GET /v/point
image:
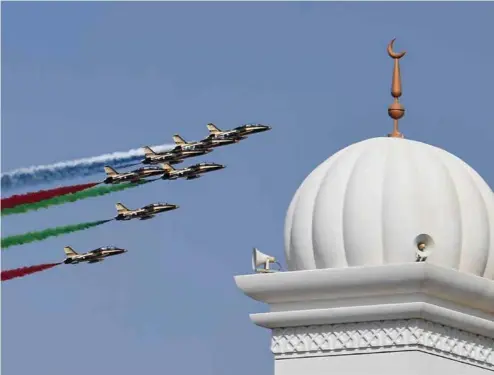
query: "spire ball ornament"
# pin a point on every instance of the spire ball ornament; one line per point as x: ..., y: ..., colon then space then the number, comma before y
x: 396, y: 110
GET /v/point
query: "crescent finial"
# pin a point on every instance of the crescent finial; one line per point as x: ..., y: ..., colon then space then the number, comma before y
x: 393, y: 54
x: 396, y: 110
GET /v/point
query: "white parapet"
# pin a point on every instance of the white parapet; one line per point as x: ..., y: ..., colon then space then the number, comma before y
x: 414, y: 318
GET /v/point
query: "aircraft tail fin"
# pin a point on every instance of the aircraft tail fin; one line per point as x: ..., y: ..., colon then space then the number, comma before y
x: 213, y: 129
x: 167, y: 167
x: 148, y: 151
x: 121, y: 208
x: 69, y: 251
x: 110, y: 171
x: 179, y: 140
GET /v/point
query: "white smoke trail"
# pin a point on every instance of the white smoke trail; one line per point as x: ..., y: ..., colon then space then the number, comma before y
x: 40, y: 174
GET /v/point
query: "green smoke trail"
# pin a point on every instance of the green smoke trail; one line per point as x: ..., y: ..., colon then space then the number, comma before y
x: 41, y: 235
x: 68, y: 198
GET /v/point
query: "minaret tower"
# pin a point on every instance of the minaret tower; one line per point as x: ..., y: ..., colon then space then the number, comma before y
x: 389, y: 245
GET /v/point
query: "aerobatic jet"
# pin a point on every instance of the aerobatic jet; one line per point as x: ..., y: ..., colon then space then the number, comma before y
x: 92, y: 256
x: 170, y: 157
x: 182, y: 145
x: 133, y: 176
x: 237, y: 134
x: 144, y: 213
x: 190, y: 173
x: 113, y: 177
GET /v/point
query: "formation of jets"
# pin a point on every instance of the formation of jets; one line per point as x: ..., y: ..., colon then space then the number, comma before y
x: 163, y: 161
x: 162, y: 166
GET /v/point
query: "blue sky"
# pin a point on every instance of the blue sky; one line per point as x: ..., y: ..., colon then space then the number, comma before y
x: 84, y: 79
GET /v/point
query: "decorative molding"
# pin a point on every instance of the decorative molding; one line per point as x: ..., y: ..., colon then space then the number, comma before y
x: 393, y: 309
x: 383, y: 336
x: 335, y: 284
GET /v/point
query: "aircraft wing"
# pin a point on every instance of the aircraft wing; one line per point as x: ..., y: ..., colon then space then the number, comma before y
x: 193, y: 176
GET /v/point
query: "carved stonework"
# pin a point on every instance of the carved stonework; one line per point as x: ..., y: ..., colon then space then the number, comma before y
x: 380, y: 336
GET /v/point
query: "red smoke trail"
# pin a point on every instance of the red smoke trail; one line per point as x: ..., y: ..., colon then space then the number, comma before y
x: 24, y: 271
x: 16, y: 200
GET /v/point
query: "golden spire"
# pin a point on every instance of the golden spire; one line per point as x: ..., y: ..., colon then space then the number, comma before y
x: 396, y: 110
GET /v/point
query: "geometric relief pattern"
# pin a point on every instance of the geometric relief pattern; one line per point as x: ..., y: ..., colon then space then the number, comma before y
x: 379, y: 336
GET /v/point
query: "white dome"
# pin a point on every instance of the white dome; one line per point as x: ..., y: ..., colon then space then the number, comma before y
x: 372, y: 202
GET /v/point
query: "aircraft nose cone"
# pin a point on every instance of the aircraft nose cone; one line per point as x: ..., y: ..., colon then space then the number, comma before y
x: 177, y: 206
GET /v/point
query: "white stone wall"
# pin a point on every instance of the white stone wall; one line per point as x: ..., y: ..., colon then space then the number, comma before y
x: 396, y: 363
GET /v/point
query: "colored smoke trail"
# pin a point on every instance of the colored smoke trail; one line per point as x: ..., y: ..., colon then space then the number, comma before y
x: 41, y: 235
x: 37, y: 196
x: 37, y: 175
x: 24, y: 271
x: 68, y: 198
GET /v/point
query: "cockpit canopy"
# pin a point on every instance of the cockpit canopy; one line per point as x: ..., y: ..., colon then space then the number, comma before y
x: 156, y: 205
x: 248, y: 126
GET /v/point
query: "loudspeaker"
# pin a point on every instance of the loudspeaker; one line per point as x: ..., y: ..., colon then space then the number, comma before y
x: 259, y: 259
x: 425, y: 245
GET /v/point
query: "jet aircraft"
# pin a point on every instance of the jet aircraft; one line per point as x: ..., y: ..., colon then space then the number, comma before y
x: 237, y: 134
x: 113, y: 177
x: 133, y: 176
x: 144, y: 213
x: 182, y: 145
x: 190, y: 173
x: 92, y: 256
x: 170, y: 157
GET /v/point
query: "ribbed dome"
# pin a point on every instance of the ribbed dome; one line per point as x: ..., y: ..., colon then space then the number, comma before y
x: 374, y: 201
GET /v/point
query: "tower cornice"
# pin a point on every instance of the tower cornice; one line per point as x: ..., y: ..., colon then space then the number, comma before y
x: 363, y: 294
